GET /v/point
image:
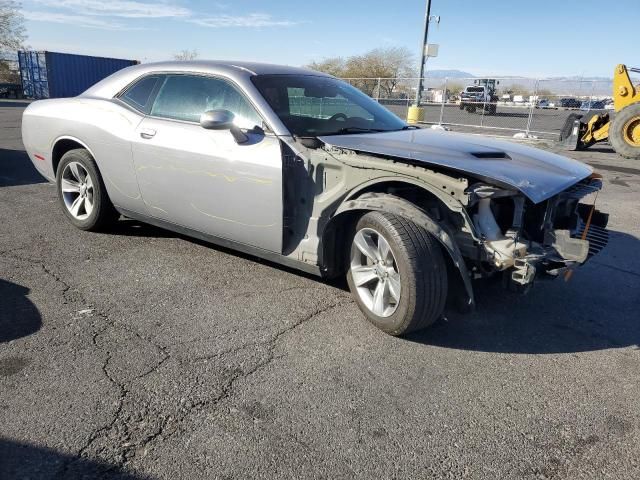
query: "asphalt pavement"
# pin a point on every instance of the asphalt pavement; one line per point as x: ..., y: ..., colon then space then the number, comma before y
x: 139, y: 353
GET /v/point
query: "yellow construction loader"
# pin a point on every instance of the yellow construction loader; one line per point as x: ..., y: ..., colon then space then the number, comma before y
x: 623, y: 132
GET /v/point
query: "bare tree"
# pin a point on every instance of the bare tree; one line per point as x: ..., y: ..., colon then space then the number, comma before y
x: 388, y: 64
x: 517, y: 89
x: 12, y: 36
x: 7, y: 74
x: 186, y: 55
x: 545, y: 92
x: 335, y: 66
x: 12, y: 32
x: 452, y: 88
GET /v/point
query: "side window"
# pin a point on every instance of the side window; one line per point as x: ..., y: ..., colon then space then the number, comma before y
x: 186, y: 97
x: 139, y: 94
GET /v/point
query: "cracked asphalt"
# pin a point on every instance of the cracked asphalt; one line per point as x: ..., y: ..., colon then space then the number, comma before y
x: 143, y: 354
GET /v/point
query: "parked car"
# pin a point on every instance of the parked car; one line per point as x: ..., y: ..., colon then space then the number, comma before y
x: 544, y: 103
x: 570, y: 103
x: 303, y: 169
x: 592, y: 105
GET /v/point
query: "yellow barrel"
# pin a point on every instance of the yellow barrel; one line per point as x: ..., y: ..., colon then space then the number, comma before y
x: 415, y: 114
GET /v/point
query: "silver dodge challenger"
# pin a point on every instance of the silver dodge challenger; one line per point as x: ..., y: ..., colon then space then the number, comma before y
x: 302, y: 169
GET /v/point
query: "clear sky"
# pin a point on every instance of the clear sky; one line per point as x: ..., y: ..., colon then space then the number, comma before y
x: 500, y: 37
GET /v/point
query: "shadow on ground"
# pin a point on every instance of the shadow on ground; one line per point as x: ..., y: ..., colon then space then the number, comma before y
x: 127, y: 227
x: 17, y: 169
x: 20, y: 460
x: 555, y: 316
x: 15, y: 103
x: 18, y: 316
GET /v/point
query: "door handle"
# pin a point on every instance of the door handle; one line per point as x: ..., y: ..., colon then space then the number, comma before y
x: 147, y: 133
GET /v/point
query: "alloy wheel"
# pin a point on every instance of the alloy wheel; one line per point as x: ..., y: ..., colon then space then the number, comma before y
x: 77, y: 190
x: 374, y: 271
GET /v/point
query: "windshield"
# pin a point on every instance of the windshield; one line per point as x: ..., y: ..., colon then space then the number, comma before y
x: 312, y: 105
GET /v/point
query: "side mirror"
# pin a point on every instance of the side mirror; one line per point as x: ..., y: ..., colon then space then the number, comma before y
x: 217, y: 120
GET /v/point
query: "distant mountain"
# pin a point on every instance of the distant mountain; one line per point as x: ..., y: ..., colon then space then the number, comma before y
x: 577, y: 78
x: 448, y: 74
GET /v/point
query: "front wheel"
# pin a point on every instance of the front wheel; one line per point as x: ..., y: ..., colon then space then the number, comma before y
x: 397, y: 273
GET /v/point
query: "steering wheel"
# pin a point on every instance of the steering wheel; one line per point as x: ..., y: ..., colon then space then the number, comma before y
x: 338, y: 115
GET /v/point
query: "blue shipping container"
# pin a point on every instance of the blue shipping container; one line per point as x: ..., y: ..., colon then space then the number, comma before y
x: 56, y: 75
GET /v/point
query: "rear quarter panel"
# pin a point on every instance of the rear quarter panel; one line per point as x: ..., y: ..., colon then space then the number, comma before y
x: 104, y: 127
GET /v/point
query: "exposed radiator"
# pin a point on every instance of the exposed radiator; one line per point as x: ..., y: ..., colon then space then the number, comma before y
x: 598, y: 238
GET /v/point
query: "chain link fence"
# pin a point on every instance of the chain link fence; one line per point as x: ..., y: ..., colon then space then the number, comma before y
x: 535, y: 107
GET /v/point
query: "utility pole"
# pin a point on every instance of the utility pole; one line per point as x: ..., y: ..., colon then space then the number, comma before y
x: 423, y: 52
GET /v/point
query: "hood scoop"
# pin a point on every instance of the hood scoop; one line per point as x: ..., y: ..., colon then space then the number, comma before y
x: 491, y: 155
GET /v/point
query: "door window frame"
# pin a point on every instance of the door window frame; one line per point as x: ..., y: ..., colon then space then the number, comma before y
x: 152, y: 97
x: 163, y: 76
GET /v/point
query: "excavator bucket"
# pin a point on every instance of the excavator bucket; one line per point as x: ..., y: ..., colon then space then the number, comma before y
x: 571, y: 133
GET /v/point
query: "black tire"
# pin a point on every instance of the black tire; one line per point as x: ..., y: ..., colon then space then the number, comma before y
x: 103, y: 213
x: 620, y: 122
x: 422, y: 269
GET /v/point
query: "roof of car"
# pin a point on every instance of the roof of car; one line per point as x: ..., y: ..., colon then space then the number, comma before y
x: 252, y: 68
x: 239, y: 71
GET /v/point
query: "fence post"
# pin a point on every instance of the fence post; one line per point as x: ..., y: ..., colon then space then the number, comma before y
x: 484, y: 107
x: 444, y: 96
x: 378, y: 91
x: 532, y: 105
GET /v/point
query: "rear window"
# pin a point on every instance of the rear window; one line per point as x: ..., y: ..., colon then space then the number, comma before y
x: 139, y: 94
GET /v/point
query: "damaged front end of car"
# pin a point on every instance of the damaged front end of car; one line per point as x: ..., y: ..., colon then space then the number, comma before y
x: 525, y: 241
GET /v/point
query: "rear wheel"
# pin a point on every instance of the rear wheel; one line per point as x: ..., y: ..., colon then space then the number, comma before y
x: 397, y: 273
x: 82, y: 193
x: 624, y: 133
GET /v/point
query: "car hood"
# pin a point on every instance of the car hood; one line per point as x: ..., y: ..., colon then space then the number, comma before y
x: 536, y: 173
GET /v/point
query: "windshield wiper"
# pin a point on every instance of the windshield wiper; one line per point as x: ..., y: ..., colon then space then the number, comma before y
x: 410, y: 127
x: 359, y: 130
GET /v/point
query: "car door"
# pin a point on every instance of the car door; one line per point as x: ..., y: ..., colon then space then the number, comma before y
x: 203, y: 179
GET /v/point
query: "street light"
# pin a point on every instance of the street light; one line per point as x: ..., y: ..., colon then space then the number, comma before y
x: 425, y: 51
x: 416, y: 113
